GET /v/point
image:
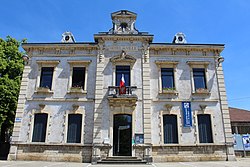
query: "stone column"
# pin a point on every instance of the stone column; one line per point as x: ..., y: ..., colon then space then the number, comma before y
x: 225, y: 114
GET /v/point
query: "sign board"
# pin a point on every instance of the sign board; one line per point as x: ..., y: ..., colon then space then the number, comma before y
x: 139, y: 138
x: 187, y: 114
x: 18, y: 119
x: 238, y: 144
x: 246, y: 141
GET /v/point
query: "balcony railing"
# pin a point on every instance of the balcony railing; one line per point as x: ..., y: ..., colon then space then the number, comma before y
x: 115, y: 91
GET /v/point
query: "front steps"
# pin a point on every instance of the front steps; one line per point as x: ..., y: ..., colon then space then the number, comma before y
x: 122, y: 160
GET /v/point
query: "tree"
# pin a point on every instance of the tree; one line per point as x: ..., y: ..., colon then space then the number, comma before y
x: 11, y: 68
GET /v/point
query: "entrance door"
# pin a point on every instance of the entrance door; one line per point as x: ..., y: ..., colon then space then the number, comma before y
x: 122, y: 131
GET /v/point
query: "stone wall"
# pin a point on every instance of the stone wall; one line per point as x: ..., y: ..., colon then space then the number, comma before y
x: 189, y: 153
x: 42, y: 152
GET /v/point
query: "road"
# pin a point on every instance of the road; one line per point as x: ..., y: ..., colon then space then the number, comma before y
x: 241, y: 162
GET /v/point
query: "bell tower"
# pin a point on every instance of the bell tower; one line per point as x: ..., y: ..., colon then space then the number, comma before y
x: 123, y: 22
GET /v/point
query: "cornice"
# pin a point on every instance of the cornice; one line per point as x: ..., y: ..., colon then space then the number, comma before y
x: 217, y: 48
x: 81, y: 46
x: 123, y: 37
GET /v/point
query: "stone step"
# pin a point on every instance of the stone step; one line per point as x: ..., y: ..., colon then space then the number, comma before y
x: 122, y: 160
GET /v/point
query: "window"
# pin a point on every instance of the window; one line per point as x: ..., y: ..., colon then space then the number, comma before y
x: 74, y: 128
x: 170, y: 129
x: 46, y: 77
x: 78, y: 77
x: 205, y: 129
x: 167, y: 77
x: 167, y: 70
x: 199, y: 78
x: 40, y: 126
x: 125, y: 70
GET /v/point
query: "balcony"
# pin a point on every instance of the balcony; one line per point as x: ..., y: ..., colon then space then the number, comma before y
x: 116, y: 92
x: 117, y: 97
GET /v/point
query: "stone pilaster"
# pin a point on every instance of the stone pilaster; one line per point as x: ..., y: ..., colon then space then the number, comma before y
x: 225, y: 114
x: 19, y: 113
x: 97, y: 132
x: 146, y: 95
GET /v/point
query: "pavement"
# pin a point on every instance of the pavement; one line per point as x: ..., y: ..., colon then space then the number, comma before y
x: 241, y: 162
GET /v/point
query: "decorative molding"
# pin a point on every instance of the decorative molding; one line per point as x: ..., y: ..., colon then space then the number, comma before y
x: 124, y: 58
x: 197, y: 63
x: 166, y: 62
x: 82, y: 62
x: 48, y: 62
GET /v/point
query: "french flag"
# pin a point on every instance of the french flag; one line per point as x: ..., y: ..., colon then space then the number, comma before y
x: 122, y: 85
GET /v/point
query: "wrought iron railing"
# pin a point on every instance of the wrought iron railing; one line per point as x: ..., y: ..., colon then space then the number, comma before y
x: 116, y: 91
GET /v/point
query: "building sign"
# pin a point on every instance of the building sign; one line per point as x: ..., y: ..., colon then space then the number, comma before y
x: 18, y: 119
x: 187, y: 114
x: 139, y: 138
x: 119, y: 48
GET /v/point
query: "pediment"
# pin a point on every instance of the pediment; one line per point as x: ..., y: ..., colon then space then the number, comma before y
x: 124, y: 13
x: 124, y: 58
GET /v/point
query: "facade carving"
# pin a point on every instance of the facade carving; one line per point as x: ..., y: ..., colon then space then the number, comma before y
x: 122, y: 95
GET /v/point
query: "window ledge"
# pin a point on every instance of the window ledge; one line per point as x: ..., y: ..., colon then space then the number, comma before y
x: 171, y: 92
x: 43, y: 90
x: 77, y: 90
x: 201, y: 92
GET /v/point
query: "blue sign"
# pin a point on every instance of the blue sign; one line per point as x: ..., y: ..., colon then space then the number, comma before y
x: 139, y: 138
x: 18, y: 119
x: 246, y: 141
x: 187, y: 114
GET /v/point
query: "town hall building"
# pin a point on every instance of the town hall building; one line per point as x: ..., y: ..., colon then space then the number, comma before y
x: 122, y: 96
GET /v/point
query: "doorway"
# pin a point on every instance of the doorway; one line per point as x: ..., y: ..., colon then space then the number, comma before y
x: 122, y: 135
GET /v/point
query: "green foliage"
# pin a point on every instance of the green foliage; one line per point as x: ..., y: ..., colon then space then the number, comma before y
x: 11, y: 67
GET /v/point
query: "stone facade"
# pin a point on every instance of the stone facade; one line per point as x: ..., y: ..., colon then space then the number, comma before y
x: 146, y: 101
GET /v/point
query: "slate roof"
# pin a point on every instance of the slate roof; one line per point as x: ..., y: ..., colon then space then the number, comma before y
x: 239, y: 115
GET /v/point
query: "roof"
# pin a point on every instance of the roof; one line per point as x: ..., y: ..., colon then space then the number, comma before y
x: 239, y: 115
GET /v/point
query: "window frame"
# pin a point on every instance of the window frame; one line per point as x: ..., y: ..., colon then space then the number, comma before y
x: 80, y: 115
x: 211, y: 126
x: 203, y: 71
x: 168, y: 70
x: 199, y: 64
x: 76, y: 109
x: 41, y: 110
x: 78, y: 63
x: 169, y: 111
x: 46, y: 124
x: 167, y: 64
x: 177, y: 135
x: 41, y: 64
x: 124, y: 78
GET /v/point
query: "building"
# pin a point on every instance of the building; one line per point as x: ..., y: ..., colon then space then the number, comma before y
x: 122, y: 95
x: 240, y: 120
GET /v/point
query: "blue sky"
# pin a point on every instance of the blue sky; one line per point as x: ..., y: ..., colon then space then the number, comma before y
x: 206, y: 21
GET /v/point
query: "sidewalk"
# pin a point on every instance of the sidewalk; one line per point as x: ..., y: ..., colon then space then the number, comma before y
x: 241, y: 162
